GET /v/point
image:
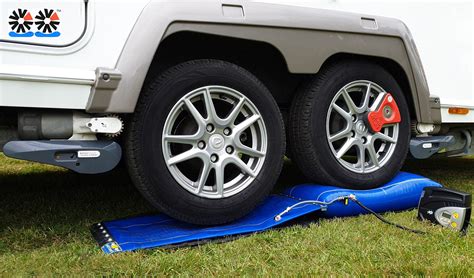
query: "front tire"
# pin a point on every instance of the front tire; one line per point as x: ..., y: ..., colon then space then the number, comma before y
x: 206, y: 142
x: 329, y: 135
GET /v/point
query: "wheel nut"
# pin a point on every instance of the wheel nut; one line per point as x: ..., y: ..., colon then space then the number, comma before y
x: 229, y: 149
x: 201, y: 145
x: 354, y: 118
x: 364, y: 140
x: 209, y: 127
x: 214, y: 158
x: 227, y: 131
x: 353, y: 134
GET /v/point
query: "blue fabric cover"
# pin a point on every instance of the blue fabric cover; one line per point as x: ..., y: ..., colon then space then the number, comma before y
x: 402, y: 193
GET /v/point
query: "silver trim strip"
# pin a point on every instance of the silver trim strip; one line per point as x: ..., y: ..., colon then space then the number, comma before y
x: 456, y: 105
x: 46, y: 79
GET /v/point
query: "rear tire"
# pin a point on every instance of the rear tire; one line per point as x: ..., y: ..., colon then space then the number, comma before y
x: 179, y: 103
x: 312, y: 120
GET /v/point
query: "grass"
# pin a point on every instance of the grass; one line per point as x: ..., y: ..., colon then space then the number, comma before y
x: 45, y: 214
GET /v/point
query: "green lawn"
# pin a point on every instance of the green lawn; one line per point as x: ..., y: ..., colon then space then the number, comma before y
x: 45, y: 214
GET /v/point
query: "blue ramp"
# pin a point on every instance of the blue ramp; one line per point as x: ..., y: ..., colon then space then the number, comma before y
x: 160, y: 230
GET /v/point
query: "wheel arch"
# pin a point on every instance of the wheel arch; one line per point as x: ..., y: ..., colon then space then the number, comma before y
x: 299, y: 51
x: 390, y: 65
x: 260, y: 58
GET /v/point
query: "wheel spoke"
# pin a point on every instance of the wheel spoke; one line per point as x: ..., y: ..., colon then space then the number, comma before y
x: 184, y: 156
x: 195, y: 113
x: 389, y: 125
x: 181, y: 139
x: 342, y: 134
x: 350, y: 103
x: 249, y: 151
x: 219, y: 169
x: 365, y: 104
x: 373, y: 154
x: 203, y: 176
x: 347, y: 116
x: 384, y: 137
x: 345, y: 148
x: 235, y: 112
x: 243, y: 167
x: 377, y: 101
x: 211, y: 110
x: 246, y: 123
x: 362, y: 158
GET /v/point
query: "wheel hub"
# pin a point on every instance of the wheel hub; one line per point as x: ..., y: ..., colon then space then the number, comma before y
x: 361, y: 128
x: 216, y: 141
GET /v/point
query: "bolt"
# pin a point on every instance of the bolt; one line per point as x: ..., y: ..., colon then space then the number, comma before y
x: 229, y: 149
x: 214, y: 158
x: 364, y: 140
x: 209, y: 128
x: 387, y: 111
x: 105, y: 76
x: 243, y: 137
x: 354, y: 118
x: 201, y: 145
x: 227, y: 131
x: 353, y: 134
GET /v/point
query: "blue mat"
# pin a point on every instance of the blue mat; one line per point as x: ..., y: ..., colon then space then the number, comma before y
x: 141, y: 232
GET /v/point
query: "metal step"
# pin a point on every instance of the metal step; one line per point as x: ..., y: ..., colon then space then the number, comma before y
x: 425, y: 147
x: 86, y: 157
